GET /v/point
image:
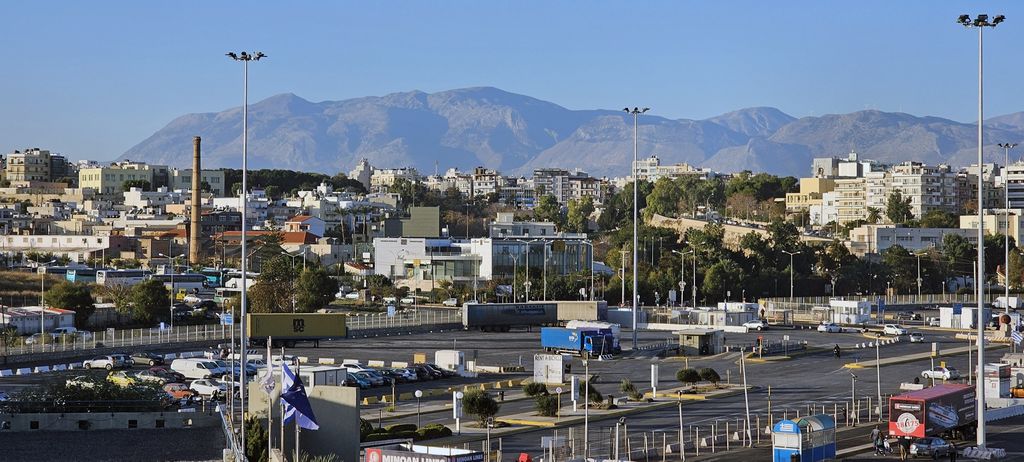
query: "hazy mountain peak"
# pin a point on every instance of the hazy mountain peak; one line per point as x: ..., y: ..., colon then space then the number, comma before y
x: 487, y: 126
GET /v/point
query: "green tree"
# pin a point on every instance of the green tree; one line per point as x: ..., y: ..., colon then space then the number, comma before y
x: 150, y: 300
x: 480, y: 404
x: 939, y: 219
x: 959, y: 253
x: 255, y: 440
x: 710, y: 375
x: 141, y: 184
x: 72, y: 296
x: 688, y: 376
x: 874, y: 215
x: 897, y: 208
x: 579, y: 214
x: 547, y: 405
x: 314, y: 289
x: 663, y: 199
x: 901, y: 266
x: 548, y: 209
x: 274, y: 287
x: 723, y: 276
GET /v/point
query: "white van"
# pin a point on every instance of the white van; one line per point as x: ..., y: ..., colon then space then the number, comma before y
x: 196, y: 368
x: 70, y: 331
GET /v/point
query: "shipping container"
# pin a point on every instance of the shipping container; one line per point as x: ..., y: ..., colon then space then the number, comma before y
x: 500, y: 317
x: 935, y: 411
x: 569, y: 310
x: 286, y: 329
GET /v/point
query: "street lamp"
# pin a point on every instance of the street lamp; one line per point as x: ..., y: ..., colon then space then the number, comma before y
x: 244, y: 57
x: 636, y: 243
x: 419, y: 394
x: 528, y: 283
x: 878, y: 374
x: 591, y: 244
x: 173, y: 261
x: 42, y: 300
x: 791, y: 268
x: 682, y: 273
x: 1006, y: 211
x: 980, y: 22
x: 586, y: 405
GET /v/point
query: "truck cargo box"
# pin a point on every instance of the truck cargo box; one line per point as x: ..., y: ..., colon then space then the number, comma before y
x: 932, y: 411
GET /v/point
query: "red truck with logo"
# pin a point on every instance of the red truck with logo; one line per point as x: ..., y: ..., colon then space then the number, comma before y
x: 947, y: 409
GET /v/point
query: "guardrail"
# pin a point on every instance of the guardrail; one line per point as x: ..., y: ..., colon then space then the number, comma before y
x: 117, y: 338
x: 230, y: 438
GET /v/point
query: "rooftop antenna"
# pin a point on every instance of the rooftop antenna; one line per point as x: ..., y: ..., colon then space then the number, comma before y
x: 435, y: 168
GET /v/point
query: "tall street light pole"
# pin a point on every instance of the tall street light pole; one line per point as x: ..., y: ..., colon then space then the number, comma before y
x: 682, y: 274
x: 981, y: 22
x: 42, y: 301
x: 173, y: 261
x: 790, y: 273
x: 244, y: 57
x: 636, y: 243
x: 1006, y: 234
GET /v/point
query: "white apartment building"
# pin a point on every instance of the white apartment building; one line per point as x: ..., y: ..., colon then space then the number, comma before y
x: 28, y: 165
x: 1014, y: 175
x: 362, y: 173
x: 928, y: 188
x: 382, y: 179
x: 996, y: 223
x: 825, y: 211
x: 875, y: 239
x: 650, y: 169
x: 850, y: 200
x: 181, y: 180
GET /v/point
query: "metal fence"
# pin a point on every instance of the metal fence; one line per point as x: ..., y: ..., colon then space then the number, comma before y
x: 117, y: 338
x: 902, y: 299
x: 416, y: 317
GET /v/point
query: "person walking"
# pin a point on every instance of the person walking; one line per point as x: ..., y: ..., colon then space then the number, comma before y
x: 876, y: 441
x: 952, y: 452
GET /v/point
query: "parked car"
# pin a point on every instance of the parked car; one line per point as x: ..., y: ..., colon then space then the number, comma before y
x: 387, y: 380
x: 829, y: 327
x: 178, y: 391
x: 352, y: 296
x: 408, y: 300
x: 933, y: 322
x: 437, y: 370
x: 894, y: 329
x: 451, y: 302
x: 354, y: 381
x: 941, y: 373
x: 38, y: 338
x: 125, y: 358
x: 908, y: 316
x: 375, y: 381
x: 164, y: 371
x: 932, y: 447
x: 121, y: 379
x: 354, y: 367
x: 916, y: 337
x: 150, y: 376
x: 423, y: 372
x: 109, y: 362
x: 389, y: 300
x: 209, y: 388
x: 196, y: 368
x: 757, y: 324
x: 83, y: 381
x: 147, y: 358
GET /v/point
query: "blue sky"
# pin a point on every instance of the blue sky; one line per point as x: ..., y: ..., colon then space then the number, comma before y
x: 91, y: 79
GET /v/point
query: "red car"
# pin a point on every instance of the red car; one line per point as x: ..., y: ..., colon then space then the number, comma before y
x: 179, y: 391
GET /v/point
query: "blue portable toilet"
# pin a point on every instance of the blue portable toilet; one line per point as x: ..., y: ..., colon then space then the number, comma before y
x: 810, y: 439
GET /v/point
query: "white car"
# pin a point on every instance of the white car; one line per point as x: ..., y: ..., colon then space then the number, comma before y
x: 355, y: 367
x: 894, y: 329
x: 451, y: 302
x: 209, y: 388
x: 389, y: 300
x: 829, y: 327
x: 408, y: 301
x: 103, y: 362
x: 916, y: 337
x: 756, y: 324
x: 352, y: 296
x: 941, y: 373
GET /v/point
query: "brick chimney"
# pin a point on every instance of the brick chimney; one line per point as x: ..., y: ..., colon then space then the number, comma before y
x: 197, y: 174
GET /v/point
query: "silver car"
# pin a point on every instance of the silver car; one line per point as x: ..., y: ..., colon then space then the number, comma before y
x: 931, y: 446
x: 108, y: 362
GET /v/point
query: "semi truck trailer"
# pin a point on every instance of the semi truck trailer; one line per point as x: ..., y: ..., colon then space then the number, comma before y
x: 941, y: 410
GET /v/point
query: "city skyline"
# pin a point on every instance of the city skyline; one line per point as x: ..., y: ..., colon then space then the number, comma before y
x: 896, y: 59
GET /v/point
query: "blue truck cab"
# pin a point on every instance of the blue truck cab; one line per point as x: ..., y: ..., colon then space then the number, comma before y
x: 576, y: 341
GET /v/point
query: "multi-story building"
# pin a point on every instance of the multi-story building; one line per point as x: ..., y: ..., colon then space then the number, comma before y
x: 650, y: 169
x: 28, y: 165
x: 382, y: 179
x: 109, y: 181
x: 875, y: 239
x: 811, y: 191
x: 486, y: 181
x: 996, y: 222
x: 181, y: 180
x: 928, y: 188
x: 850, y: 200
x: 1014, y: 175
x: 362, y: 173
x: 825, y: 211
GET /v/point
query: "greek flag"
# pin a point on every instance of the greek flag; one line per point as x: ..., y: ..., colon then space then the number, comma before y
x: 1017, y: 337
x: 294, y: 399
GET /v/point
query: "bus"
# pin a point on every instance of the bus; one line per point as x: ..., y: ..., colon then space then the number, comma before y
x: 214, y: 276
x: 86, y: 275
x: 121, y: 277
x: 188, y: 282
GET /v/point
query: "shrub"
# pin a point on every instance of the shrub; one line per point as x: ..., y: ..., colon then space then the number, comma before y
x: 365, y: 428
x: 688, y: 376
x: 547, y: 405
x: 433, y: 431
x: 627, y: 387
x: 535, y: 389
x: 595, y: 396
x: 709, y: 375
x: 480, y: 404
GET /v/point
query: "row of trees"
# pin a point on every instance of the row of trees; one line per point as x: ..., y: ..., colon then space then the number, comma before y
x: 145, y: 302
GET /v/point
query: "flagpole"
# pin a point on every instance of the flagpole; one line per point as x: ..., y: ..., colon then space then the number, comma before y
x: 282, y: 403
x: 298, y: 378
x: 270, y: 405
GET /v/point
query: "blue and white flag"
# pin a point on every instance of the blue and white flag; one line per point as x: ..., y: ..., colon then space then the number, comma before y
x: 1017, y: 337
x: 296, y: 403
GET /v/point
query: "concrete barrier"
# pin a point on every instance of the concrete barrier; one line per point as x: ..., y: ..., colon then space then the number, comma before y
x: 399, y: 364
x: 24, y: 371
x: 74, y: 366
x: 6, y: 373
x: 304, y: 359
x: 347, y: 360
x: 375, y: 363
x: 170, y: 356
x: 39, y: 369
x: 325, y: 360
x: 60, y: 367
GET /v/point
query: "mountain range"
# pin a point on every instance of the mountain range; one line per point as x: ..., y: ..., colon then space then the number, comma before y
x: 516, y: 134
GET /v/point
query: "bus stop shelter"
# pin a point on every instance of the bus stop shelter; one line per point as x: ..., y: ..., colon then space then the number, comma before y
x: 810, y: 439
